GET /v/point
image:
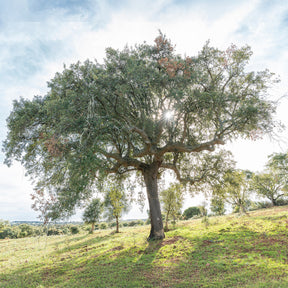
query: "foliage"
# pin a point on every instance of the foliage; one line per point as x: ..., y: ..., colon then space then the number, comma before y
x: 190, y: 212
x: 235, y: 189
x: 203, y: 209
x: 115, y: 202
x: 27, y: 230
x: 256, y: 205
x: 3, y: 224
x: 282, y: 202
x: 133, y: 223
x: 92, y: 212
x: 19, y: 231
x: 146, y: 109
x: 246, y: 206
x: 103, y: 225
x: 270, y: 185
x: 172, y: 201
x: 217, y: 205
x: 273, y: 183
x: 74, y: 229
x: 42, y: 203
x: 278, y: 162
x: 54, y: 230
x: 10, y: 232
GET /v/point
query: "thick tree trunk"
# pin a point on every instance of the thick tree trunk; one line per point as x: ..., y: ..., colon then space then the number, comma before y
x: 93, y: 227
x: 150, y: 177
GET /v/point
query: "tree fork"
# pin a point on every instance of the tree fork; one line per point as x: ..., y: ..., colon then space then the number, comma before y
x: 150, y: 177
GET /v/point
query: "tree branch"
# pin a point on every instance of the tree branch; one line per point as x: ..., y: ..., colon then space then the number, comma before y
x: 142, y: 133
x: 186, y: 179
x: 179, y: 147
x: 172, y: 167
x: 123, y: 161
x: 278, y: 196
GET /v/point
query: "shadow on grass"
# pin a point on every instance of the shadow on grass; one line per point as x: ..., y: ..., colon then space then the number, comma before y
x: 228, y: 257
x: 53, y: 268
x: 83, y: 244
x: 231, y: 258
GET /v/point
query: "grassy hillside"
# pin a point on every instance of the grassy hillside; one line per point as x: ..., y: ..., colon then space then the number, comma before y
x: 231, y: 251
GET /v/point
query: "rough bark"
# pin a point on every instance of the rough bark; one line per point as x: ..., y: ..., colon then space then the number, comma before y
x: 150, y: 177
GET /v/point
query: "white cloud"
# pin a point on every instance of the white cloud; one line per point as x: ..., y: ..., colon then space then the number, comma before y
x: 15, y: 190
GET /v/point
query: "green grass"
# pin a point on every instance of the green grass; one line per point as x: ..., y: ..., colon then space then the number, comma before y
x: 232, y: 251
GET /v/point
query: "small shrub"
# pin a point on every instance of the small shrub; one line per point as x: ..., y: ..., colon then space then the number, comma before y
x: 132, y: 223
x: 53, y: 231
x: 10, y: 232
x: 190, y: 212
x: 140, y: 222
x: 74, y: 229
x: 65, y: 229
x: 25, y: 230
x: 103, y: 225
x: 282, y: 202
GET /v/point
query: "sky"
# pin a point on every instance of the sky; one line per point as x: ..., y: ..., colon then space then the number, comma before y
x: 37, y: 37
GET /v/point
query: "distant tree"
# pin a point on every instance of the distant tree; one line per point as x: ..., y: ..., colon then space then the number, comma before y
x: 190, y: 212
x: 278, y: 162
x: 3, y: 225
x: 116, y: 203
x: 235, y: 189
x: 270, y: 185
x: 145, y: 109
x: 92, y: 213
x: 273, y: 183
x: 172, y: 200
x: 217, y: 205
